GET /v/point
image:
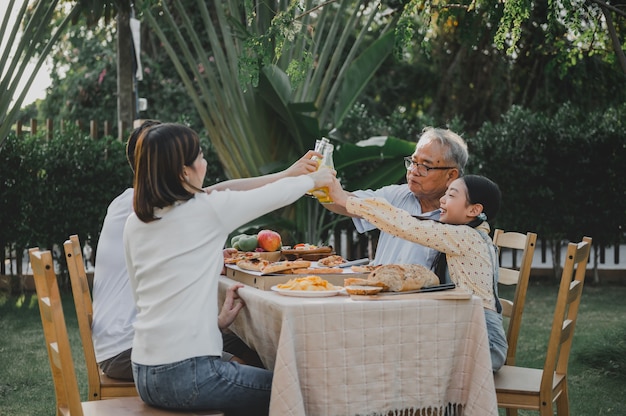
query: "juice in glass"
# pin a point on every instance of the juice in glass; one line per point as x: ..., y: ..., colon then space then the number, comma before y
x: 326, y: 162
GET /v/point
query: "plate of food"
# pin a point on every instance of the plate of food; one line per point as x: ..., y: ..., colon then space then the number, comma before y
x: 307, y: 287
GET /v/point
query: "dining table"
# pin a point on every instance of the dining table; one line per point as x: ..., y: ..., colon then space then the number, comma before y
x: 340, y: 355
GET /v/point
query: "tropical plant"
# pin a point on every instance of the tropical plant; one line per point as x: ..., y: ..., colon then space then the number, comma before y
x: 38, y: 35
x: 262, y: 100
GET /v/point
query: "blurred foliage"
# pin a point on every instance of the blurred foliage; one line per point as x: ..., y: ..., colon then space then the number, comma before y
x: 57, y: 187
x: 83, y: 76
x: 454, y: 69
x: 561, y: 175
x: 84, y: 80
x: 450, y: 69
x: 53, y: 188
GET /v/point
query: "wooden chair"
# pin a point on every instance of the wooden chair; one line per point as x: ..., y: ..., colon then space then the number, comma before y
x: 60, y: 354
x: 538, y: 389
x: 519, y: 277
x: 100, y: 385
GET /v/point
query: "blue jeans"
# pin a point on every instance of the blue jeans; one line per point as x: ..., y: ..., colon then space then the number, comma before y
x: 497, y: 339
x: 205, y: 383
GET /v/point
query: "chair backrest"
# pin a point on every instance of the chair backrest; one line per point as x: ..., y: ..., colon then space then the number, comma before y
x: 84, y: 310
x: 513, y: 309
x: 55, y: 333
x: 565, y: 313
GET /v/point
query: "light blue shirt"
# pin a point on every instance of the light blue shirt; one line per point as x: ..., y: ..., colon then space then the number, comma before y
x: 392, y: 249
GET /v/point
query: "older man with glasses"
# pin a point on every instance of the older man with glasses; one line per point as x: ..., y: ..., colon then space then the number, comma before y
x: 440, y: 157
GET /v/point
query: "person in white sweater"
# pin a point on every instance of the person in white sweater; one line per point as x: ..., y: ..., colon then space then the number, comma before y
x: 113, y: 303
x: 173, y: 243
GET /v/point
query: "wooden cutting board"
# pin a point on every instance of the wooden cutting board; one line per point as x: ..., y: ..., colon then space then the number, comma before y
x: 453, y: 294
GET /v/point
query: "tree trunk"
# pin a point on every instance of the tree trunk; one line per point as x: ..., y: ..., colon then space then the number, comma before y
x: 596, y: 275
x: 125, y: 90
x: 555, y: 247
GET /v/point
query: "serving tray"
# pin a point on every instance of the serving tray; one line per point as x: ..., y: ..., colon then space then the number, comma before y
x: 265, y: 282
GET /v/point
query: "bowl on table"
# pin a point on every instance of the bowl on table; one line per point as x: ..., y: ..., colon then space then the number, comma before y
x: 270, y: 255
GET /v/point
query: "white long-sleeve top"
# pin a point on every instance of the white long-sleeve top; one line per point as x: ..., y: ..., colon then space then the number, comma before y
x: 113, y: 305
x: 470, y: 258
x: 174, y: 264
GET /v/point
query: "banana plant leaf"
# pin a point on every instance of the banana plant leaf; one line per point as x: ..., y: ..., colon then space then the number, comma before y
x: 259, y: 128
x: 34, y: 45
x: 390, y: 150
x: 275, y: 89
x: 359, y: 74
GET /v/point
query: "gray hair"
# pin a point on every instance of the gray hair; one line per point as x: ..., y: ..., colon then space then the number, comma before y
x: 456, y: 148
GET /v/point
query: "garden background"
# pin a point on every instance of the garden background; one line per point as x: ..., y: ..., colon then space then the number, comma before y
x: 537, y: 90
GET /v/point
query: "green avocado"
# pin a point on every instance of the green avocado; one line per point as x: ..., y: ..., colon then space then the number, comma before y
x: 247, y: 242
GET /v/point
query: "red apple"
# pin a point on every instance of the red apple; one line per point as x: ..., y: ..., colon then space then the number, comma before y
x: 269, y: 240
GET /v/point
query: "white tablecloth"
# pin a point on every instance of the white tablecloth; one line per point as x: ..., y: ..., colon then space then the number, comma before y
x: 336, y: 356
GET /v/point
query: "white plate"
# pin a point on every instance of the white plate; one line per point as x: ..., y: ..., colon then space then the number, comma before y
x: 307, y: 293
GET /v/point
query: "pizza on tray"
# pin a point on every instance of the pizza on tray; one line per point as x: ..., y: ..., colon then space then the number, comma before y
x: 254, y: 264
x: 285, y: 267
x: 237, y: 256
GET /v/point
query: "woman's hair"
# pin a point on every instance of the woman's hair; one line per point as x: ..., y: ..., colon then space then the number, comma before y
x: 484, y: 191
x: 161, y: 153
x: 454, y: 145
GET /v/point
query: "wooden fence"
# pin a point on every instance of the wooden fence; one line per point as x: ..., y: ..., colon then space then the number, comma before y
x: 93, y: 128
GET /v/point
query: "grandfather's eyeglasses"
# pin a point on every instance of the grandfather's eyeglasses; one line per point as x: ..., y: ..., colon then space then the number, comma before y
x: 422, y: 170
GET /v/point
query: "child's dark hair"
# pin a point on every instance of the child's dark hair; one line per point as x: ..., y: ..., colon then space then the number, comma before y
x: 484, y: 191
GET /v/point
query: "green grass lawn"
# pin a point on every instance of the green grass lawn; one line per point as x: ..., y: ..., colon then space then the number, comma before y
x: 597, y: 364
x: 26, y: 387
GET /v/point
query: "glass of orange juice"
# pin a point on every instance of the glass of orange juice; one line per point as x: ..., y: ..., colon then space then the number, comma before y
x: 325, y: 163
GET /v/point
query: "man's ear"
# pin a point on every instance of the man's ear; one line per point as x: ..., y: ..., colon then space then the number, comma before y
x: 452, y: 174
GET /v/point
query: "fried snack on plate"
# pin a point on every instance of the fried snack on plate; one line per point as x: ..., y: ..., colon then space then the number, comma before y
x: 330, y: 261
x: 307, y: 283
